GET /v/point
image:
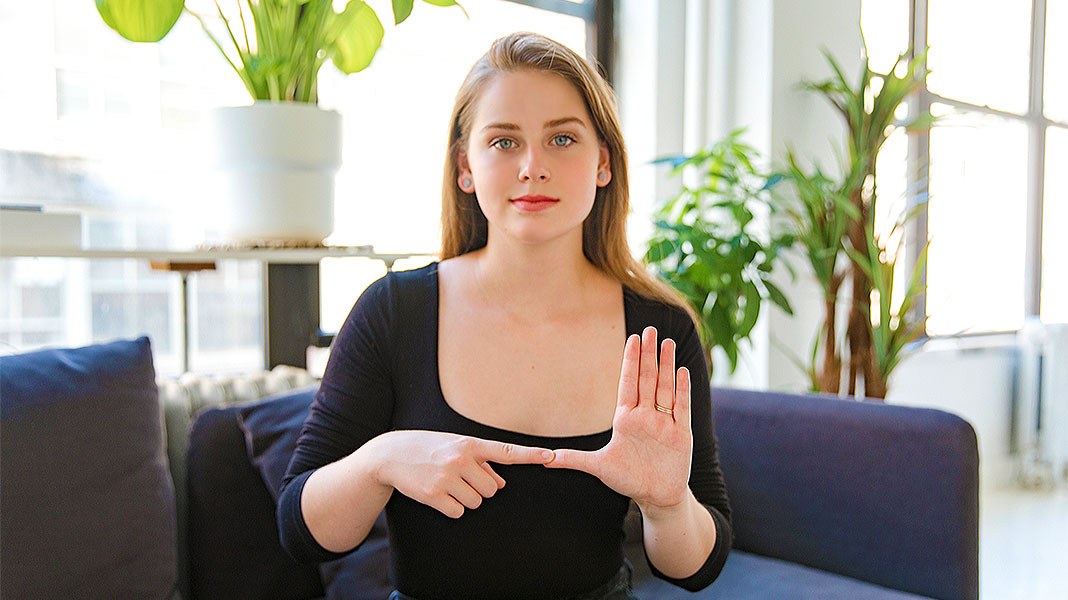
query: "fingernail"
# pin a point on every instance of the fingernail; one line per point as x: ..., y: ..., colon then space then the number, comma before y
x: 549, y: 456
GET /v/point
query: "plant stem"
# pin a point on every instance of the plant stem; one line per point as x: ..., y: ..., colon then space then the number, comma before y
x: 831, y: 374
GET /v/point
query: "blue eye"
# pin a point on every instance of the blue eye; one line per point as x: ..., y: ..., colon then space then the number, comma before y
x: 563, y: 141
x: 503, y: 144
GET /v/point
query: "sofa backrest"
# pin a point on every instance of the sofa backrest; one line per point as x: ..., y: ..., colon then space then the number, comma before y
x: 185, y: 398
x: 885, y: 494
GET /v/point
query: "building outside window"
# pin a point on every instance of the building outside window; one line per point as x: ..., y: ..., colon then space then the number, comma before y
x: 112, y: 130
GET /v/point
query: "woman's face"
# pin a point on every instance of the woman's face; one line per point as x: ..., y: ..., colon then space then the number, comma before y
x: 533, y: 158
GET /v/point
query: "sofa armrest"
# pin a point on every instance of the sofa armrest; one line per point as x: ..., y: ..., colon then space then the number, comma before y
x: 884, y: 494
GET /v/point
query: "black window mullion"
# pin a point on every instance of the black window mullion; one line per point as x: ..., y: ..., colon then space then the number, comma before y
x: 600, y: 37
x: 600, y: 27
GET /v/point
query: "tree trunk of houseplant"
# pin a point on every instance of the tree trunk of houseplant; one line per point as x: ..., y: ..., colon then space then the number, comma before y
x: 830, y: 374
x: 858, y: 328
x: 278, y: 161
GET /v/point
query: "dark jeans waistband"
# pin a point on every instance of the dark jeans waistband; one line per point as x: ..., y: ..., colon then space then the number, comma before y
x: 616, y: 588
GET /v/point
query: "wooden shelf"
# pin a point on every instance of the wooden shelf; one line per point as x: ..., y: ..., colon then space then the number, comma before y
x: 291, y: 285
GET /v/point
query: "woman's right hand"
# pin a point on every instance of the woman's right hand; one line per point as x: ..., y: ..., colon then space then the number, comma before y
x: 446, y: 471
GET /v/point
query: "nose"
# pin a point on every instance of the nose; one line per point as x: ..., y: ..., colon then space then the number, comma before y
x: 533, y: 167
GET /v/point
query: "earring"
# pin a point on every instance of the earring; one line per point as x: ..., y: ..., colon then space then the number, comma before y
x: 602, y: 177
x: 466, y: 183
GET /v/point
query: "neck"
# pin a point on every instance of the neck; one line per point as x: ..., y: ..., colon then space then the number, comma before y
x: 535, y: 280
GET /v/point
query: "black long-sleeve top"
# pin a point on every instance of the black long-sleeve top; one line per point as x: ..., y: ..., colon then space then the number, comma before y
x: 549, y: 533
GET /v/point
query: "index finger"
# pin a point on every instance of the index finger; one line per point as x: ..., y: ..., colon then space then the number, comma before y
x: 513, y: 454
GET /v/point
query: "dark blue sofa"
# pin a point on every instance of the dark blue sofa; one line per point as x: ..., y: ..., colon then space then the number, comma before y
x: 832, y: 499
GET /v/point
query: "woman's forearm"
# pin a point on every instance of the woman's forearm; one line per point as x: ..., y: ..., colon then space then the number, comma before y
x: 678, y: 540
x: 341, y: 501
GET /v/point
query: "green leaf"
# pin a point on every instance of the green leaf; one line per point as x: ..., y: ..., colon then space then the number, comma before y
x: 358, y: 36
x: 752, y: 310
x: 860, y: 260
x: 140, y: 20
x: 922, y: 122
x: 779, y: 298
x: 661, y: 250
x: 675, y: 160
x: 401, y: 10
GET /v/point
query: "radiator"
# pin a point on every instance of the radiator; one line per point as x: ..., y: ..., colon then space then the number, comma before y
x: 1040, y: 418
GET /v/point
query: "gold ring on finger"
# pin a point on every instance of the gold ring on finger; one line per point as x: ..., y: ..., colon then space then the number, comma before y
x: 663, y: 409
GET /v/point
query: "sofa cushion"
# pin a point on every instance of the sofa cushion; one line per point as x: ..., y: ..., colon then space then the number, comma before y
x: 750, y: 576
x: 86, y: 506
x: 234, y: 550
x: 271, y: 427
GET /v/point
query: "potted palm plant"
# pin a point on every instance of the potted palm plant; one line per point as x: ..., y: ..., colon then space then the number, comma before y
x: 835, y: 223
x: 280, y: 153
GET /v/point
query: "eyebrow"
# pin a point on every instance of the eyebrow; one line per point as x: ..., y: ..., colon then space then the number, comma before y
x: 548, y: 124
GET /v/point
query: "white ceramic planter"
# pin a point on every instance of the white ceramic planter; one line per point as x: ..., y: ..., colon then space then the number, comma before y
x: 278, y: 161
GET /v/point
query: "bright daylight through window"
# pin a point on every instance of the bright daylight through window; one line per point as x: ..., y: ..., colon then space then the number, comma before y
x: 992, y: 166
x: 111, y: 129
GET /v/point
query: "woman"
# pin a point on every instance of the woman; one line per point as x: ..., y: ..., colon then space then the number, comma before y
x: 488, y: 389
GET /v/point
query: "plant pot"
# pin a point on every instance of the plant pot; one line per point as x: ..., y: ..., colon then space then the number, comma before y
x: 277, y: 162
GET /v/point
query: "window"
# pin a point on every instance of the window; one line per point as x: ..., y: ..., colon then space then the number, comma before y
x: 101, y: 126
x: 109, y: 128
x: 987, y: 166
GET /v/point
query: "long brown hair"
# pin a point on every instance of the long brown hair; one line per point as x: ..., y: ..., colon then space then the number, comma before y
x: 604, y: 232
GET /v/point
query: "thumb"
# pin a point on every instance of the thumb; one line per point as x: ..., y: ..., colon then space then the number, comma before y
x: 578, y: 460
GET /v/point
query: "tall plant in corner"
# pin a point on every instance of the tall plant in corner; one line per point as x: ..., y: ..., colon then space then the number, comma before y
x: 836, y: 224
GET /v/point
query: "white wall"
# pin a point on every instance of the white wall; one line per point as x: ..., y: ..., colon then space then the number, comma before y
x: 689, y: 72
x: 974, y: 383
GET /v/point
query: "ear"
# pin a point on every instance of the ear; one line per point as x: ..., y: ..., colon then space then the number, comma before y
x: 604, y: 165
x: 463, y: 168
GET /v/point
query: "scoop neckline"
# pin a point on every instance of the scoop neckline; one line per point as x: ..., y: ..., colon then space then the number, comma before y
x: 435, y: 314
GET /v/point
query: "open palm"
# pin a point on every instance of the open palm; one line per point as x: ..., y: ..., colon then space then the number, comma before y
x: 648, y: 457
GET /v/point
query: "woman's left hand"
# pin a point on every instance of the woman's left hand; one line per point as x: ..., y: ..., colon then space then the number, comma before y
x: 648, y: 457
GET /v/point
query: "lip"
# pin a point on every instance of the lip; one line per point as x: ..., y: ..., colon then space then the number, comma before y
x: 534, y: 203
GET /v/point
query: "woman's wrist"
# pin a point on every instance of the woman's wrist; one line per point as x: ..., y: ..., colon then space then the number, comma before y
x: 368, y: 462
x: 656, y: 514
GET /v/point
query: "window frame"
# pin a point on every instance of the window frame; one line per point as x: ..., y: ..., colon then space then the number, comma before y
x: 919, y: 155
x: 600, y: 27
